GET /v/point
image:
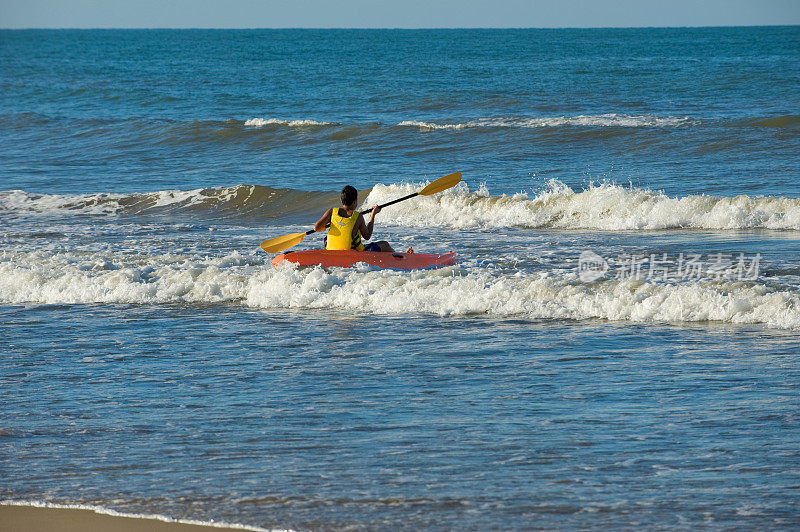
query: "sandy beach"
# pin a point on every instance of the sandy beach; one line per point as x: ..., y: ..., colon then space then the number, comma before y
x: 36, y: 519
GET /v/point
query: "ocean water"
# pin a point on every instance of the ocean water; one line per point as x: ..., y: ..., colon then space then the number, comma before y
x: 617, y: 347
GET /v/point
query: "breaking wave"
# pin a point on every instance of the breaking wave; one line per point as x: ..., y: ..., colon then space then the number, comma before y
x: 602, y: 207
x: 236, y: 201
x: 103, y: 277
x: 605, y: 207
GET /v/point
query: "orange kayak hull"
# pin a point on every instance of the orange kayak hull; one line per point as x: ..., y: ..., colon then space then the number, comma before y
x: 381, y: 259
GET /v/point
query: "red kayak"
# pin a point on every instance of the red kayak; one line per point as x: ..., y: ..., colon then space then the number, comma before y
x: 382, y: 259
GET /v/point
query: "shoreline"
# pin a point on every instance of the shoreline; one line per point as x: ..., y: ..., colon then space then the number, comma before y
x: 33, y: 517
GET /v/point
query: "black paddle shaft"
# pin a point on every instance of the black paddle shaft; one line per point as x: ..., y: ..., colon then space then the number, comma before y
x: 392, y: 202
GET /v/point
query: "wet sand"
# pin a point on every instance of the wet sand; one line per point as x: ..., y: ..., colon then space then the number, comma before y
x: 35, y: 519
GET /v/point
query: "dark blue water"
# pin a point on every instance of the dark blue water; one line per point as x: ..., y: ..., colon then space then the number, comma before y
x: 152, y: 110
x: 154, y: 362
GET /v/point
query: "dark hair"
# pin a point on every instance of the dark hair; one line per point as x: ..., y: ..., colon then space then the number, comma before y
x: 349, y: 195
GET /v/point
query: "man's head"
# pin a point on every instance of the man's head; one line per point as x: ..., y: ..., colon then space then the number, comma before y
x: 349, y: 196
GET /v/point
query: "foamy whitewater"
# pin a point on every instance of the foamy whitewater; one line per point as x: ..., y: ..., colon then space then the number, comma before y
x: 616, y: 347
x: 604, y: 207
x: 131, y: 274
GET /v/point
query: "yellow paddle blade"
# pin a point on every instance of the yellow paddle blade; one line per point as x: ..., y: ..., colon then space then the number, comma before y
x: 278, y: 244
x: 443, y: 183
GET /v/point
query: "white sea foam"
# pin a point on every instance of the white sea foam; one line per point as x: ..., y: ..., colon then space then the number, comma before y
x: 604, y: 120
x: 156, y: 517
x: 84, y: 277
x: 69, y: 278
x: 261, y: 122
x: 600, y: 207
x: 545, y: 295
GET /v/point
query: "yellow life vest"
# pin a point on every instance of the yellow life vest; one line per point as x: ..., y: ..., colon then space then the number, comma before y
x: 340, y: 235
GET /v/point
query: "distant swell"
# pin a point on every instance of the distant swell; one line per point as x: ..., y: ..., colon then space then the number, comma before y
x: 108, y: 136
x: 606, y: 207
x: 780, y: 122
x: 605, y: 120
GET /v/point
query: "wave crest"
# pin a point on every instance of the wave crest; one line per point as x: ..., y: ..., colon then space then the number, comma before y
x: 263, y: 122
x: 604, y: 120
x: 237, y: 201
x: 605, y: 206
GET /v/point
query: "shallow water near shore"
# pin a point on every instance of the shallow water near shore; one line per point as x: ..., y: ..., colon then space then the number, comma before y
x: 450, y: 421
x: 616, y: 347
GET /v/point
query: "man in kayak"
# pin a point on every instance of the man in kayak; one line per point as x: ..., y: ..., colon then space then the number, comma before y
x: 348, y: 225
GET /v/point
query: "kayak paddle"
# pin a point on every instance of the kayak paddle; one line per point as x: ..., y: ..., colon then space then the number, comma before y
x: 280, y: 243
